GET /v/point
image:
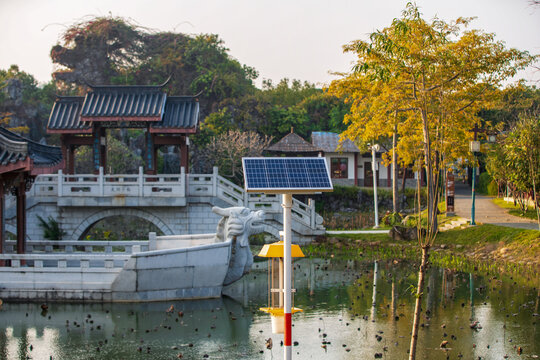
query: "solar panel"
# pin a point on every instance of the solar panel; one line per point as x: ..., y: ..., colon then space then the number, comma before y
x: 286, y: 175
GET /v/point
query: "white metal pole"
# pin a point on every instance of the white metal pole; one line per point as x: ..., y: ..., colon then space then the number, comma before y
x: 374, y: 168
x: 287, y: 341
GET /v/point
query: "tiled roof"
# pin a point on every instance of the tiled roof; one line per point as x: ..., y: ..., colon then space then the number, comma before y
x: 65, y: 115
x: 173, y: 114
x: 12, y: 151
x: 329, y: 142
x: 144, y: 103
x: 293, y: 143
x: 181, y: 112
x: 15, y: 148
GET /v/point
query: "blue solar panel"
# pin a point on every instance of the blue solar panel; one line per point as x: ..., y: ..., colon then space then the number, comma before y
x: 302, y: 175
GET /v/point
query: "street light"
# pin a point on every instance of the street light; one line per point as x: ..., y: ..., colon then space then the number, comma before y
x: 374, y: 149
x: 475, y: 149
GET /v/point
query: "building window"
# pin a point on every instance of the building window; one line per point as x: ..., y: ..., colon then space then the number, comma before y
x: 339, y: 168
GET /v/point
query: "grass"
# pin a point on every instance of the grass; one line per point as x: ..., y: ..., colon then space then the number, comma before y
x: 487, y: 249
x: 483, y: 234
x: 515, y: 210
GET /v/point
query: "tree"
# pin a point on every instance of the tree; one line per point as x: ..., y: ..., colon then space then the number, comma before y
x: 522, y: 160
x: 96, y: 51
x: 226, y: 151
x: 435, y: 75
x: 24, y: 104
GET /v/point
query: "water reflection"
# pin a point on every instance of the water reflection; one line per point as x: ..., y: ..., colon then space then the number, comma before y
x: 352, y: 310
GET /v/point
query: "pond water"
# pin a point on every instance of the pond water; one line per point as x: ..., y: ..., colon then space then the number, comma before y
x: 352, y: 310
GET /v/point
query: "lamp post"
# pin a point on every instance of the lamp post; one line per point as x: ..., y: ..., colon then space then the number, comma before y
x: 475, y: 149
x: 374, y: 149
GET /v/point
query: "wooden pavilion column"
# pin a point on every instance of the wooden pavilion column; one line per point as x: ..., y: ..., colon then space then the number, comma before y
x: 184, y: 154
x: 71, y: 160
x: 21, y: 216
x: 64, y: 147
x: 150, y: 161
x: 99, y: 146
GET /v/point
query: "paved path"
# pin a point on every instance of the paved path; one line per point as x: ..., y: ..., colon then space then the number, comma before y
x: 486, y: 211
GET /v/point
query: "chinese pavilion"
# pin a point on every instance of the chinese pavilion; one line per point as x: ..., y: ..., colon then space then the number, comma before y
x: 21, y: 160
x: 83, y: 120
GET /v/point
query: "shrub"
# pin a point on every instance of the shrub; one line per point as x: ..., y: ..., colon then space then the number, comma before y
x: 484, y: 184
x: 51, y: 228
x: 392, y: 218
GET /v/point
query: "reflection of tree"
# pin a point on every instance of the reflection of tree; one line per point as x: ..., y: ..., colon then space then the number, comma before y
x: 23, y: 343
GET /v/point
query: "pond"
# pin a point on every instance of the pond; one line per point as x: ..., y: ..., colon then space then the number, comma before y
x: 352, y: 310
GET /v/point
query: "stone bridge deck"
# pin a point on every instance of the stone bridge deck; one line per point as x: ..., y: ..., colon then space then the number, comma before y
x: 175, y: 203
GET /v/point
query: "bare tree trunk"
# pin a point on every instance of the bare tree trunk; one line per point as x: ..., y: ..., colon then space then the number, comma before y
x: 395, y: 194
x: 418, y: 305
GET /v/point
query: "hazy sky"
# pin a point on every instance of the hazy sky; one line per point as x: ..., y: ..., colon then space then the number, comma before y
x: 299, y: 39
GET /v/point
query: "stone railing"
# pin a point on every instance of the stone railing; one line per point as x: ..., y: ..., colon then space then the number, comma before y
x: 165, y: 186
x: 78, y: 247
x: 63, y: 261
x: 89, y: 185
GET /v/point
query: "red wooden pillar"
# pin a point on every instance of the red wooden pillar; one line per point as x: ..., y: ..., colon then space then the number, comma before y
x: 64, y: 146
x: 21, y: 217
x: 184, y: 154
x: 71, y: 159
x: 389, y: 175
x: 103, y: 149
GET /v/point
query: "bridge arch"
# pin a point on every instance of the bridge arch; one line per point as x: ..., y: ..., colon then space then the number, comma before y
x: 100, y: 215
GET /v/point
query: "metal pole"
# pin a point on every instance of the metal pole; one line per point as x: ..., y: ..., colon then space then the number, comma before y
x: 287, y: 341
x: 374, y: 168
x: 473, y: 192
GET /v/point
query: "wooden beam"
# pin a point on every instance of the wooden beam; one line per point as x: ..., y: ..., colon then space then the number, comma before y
x: 168, y: 140
x: 21, y: 217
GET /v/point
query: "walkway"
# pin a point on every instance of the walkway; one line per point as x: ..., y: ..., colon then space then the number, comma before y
x: 486, y: 211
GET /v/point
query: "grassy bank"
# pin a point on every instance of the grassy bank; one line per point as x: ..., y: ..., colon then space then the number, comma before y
x: 488, y: 249
x: 515, y: 210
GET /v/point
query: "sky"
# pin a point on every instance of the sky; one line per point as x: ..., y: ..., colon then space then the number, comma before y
x: 295, y: 39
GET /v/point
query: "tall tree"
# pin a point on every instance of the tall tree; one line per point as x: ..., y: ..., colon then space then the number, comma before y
x: 436, y: 74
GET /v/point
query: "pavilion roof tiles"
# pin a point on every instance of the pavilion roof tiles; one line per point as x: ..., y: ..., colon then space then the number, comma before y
x: 15, y: 148
x: 65, y: 116
x: 119, y: 104
x: 143, y: 103
x: 181, y: 112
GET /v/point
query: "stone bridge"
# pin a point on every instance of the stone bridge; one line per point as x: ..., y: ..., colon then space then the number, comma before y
x: 175, y: 203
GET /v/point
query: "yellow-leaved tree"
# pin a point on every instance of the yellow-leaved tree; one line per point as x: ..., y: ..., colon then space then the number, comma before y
x: 424, y: 81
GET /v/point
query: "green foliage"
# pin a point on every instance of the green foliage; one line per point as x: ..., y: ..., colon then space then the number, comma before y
x: 392, y: 218
x: 24, y: 105
x: 515, y: 160
x: 121, y: 228
x: 51, y: 228
x: 486, y: 185
x: 120, y: 158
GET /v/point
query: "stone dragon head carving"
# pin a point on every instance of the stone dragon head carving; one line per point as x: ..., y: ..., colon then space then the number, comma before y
x: 240, y: 222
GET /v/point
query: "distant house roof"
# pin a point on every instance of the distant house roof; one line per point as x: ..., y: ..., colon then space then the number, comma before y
x: 120, y: 104
x: 17, y: 149
x: 329, y: 142
x: 293, y: 143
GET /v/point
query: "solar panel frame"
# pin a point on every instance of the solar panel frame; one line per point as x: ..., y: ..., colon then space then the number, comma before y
x: 278, y: 175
